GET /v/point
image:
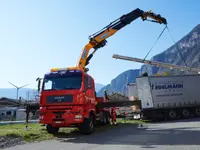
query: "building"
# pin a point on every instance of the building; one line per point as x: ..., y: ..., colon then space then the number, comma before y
x: 132, y: 91
x: 8, y: 102
x: 8, y: 113
x: 133, y: 95
x: 8, y: 108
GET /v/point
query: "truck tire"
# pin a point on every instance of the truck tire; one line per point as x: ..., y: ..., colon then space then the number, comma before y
x: 185, y: 113
x: 51, y: 129
x: 172, y: 114
x: 87, y: 127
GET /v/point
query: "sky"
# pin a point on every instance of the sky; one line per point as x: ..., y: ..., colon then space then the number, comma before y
x: 36, y: 35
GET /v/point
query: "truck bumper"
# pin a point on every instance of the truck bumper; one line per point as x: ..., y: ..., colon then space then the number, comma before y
x: 60, y: 118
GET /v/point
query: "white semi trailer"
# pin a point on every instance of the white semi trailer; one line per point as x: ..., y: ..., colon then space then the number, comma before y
x: 169, y: 97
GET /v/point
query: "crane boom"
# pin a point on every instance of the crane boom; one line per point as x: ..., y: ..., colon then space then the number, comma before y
x: 98, y: 39
x: 156, y: 63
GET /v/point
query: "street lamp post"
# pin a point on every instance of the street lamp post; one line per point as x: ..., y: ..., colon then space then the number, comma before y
x: 17, y: 88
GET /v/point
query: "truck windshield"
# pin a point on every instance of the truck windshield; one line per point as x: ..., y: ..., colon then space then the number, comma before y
x: 62, y: 83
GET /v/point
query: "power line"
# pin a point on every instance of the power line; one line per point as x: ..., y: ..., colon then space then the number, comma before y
x: 177, y: 47
x: 153, y: 46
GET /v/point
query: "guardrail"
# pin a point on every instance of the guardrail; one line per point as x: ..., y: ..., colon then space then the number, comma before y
x: 17, y: 122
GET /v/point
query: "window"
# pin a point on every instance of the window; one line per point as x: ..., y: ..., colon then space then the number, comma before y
x: 8, y: 113
x: 62, y: 83
x: 87, y: 82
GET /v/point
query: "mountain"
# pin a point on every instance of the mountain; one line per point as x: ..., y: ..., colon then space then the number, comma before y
x: 27, y: 93
x: 98, y: 86
x: 118, y: 84
x: 187, y: 48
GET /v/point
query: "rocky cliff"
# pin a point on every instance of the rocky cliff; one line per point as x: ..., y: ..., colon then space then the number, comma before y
x: 188, y: 47
x: 118, y: 84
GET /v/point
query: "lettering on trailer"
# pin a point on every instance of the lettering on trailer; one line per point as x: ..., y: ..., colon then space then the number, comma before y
x: 167, y: 85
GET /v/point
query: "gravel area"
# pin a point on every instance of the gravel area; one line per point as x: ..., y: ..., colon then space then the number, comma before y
x: 9, y: 141
x: 175, y: 135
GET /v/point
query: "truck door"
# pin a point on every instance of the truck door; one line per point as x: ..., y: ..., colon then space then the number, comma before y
x: 144, y: 92
x: 89, y: 87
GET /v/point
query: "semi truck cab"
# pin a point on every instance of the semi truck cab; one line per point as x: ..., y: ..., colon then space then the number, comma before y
x: 67, y: 99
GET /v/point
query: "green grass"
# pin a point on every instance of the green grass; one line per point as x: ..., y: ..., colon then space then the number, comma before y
x: 35, y: 132
x: 131, y: 121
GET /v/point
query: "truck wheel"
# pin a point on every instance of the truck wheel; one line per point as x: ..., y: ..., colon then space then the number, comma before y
x: 185, y: 113
x: 51, y: 129
x: 172, y: 114
x: 197, y: 111
x: 87, y: 127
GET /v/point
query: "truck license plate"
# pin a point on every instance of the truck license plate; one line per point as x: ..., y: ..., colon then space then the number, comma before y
x: 58, y: 122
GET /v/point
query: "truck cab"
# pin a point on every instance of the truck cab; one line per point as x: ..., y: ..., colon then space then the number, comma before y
x: 67, y: 99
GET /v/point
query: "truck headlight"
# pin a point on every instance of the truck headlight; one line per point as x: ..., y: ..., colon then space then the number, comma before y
x: 41, y: 117
x: 78, y: 117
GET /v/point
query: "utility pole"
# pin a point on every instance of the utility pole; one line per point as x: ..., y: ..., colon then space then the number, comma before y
x: 17, y: 87
x: 27, y: 95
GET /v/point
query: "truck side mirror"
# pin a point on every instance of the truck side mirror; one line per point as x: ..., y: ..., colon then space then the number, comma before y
x: 39, y: 83
x: 145, y: 74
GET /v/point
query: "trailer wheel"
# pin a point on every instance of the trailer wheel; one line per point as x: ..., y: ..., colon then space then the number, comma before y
x: 172, y: 114
x: 197, y: 111
x: 87, y: 127
x: 185, y: 113
x: 51, y: 129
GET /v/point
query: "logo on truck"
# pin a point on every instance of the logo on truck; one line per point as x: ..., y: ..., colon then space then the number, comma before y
x: 167, y: 85
x: 59, y: 98
x: 104, y: 35
x: 84, y: 53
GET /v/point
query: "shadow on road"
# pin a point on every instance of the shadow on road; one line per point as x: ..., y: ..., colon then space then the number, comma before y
x: 129, y: 134
x: 174, y: 121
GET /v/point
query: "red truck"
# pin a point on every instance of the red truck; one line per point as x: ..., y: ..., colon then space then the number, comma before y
x: 68, y: 97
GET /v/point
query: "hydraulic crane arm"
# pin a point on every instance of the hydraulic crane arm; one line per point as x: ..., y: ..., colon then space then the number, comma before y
x: 98, y: 40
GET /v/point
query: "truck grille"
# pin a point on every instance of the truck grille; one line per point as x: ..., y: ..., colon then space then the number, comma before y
x: 59, y: 99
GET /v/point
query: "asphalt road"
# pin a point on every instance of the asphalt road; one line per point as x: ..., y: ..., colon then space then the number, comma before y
x: 181, y: 135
